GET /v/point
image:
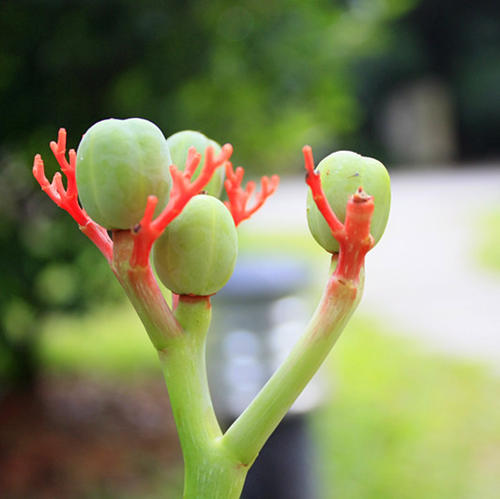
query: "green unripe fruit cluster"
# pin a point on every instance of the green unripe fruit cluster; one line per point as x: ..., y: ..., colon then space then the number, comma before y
x: 179, y: 144
x: 197, y: 252
x: 341, y: 173
x: 119, y: 164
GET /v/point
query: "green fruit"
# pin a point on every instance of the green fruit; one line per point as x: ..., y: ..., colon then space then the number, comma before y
x: 179, y: 144
x: 119, y: 164
x: 342, y: 172
x: 197, y: 252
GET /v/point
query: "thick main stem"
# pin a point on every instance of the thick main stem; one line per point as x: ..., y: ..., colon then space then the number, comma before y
x: 250, y: 431
x: 213, y: 476
x: 184, y: 368
x: 210, y: 472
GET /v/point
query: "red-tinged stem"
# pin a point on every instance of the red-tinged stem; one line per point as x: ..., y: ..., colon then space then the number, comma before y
x: 182, y: 191
x: 239, y: 197
x: 99, y: 236
x: 358, y: 240
x: 354, y: 235
x: 67, y: 199
x: 175, y: 300
x: 143, y: 291
x: 249, y: 432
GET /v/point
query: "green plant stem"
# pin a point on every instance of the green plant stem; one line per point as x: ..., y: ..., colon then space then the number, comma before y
x: 251, y: 430
x: 210, y: 472
x: 184, y: 368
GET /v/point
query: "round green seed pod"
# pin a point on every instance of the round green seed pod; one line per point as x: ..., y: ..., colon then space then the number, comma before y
x: 179, y: 144
x: 119, y: 164
x: 197, y: 252
x: 342, y: 172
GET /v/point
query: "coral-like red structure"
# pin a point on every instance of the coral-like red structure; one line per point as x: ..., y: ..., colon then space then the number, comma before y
x: 238, y: 197
x: 182, y: 191
x: 353, y: 235
x: 67, y: 199
x: 148, y: 230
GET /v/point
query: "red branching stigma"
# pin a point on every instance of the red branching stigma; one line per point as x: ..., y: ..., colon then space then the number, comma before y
x: 148, y: 230
x: 238, y: 197
x: 67, y: 199
x: 183, y: 189
x: 353, y: 236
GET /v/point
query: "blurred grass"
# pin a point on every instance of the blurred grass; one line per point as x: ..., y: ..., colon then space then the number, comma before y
x: 402, y: 423
x: 405, y: 423
x: 110, y: 341
x: 489, y: 244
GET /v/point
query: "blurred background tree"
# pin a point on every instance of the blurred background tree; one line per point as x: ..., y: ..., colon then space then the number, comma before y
x: 410, y: 81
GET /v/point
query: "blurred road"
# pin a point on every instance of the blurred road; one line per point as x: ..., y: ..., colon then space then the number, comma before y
x: 424, y: 277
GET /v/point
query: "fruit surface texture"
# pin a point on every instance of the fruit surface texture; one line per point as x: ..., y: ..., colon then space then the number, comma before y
x: 197, y: 252
x: 119, y: 164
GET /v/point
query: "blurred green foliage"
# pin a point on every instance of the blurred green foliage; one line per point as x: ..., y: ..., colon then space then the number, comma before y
x: 45, y: 264
x: 110, y: 343
x: 266, y: 76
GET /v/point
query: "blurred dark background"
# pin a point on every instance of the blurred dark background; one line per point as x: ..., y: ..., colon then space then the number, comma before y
x: 415, y: 83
